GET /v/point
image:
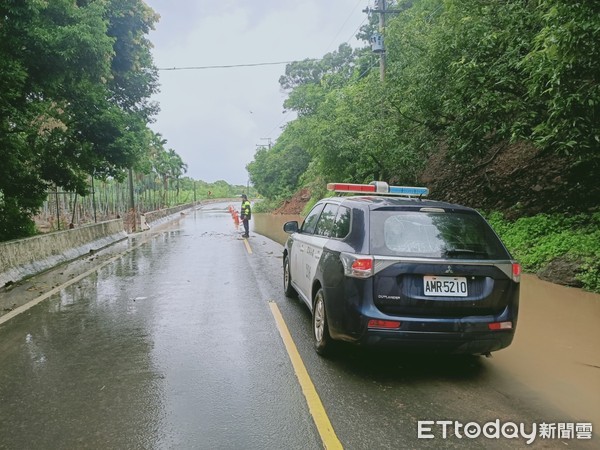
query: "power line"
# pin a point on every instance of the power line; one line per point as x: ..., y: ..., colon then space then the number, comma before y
x: 284, y: 120
x: 344, y: 24
x: 366, y: 70
x: 357, y: 30
x: 230, y: 66
x: 289, y: 112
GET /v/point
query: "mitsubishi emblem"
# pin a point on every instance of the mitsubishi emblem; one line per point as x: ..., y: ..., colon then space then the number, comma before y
x: 449, y: 270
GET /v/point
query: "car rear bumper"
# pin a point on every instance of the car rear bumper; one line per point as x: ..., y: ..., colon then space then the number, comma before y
x: 428, y: 331
x: 464, y: 335
x: 435, y: 342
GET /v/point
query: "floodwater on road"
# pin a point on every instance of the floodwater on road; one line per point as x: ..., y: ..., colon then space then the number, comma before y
x: 271, y: 225
x: 173, y: 345
x: 556, y: 350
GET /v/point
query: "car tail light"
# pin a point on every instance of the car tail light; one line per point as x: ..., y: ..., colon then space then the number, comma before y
x: 516, y: 272
x: 363, y: 265
x: 385, y: 324
x: 357, y: 266
x: 500, y: 326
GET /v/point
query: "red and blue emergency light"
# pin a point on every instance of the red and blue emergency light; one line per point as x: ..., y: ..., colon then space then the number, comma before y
x: 378, y: 187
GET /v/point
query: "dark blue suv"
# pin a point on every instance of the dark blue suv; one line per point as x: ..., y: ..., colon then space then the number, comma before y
x: 378, y: 269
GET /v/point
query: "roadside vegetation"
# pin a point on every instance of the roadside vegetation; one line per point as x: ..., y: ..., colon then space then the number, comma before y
x: 76, y: 78
x: 559, y: 248
x: 494, y: 105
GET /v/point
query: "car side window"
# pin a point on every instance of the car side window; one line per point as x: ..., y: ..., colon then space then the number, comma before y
x: 341, y: 225
x: 325, y: 223
x: 310, y: 222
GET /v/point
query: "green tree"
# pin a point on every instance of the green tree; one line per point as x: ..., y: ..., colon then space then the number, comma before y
x: 275, y: 172
x: 70, y: 105
x: 463, y: 77
x: 563, y: 71
x: 308, y: 81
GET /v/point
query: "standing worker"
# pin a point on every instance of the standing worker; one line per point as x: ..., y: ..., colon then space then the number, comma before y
x: 245, y: 215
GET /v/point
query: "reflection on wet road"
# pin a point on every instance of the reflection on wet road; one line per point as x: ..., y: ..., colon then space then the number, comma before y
x: 173, y: 345
x: 169, y: 347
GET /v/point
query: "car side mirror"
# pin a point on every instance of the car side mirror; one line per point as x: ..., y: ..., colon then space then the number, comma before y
x: 291, y: 227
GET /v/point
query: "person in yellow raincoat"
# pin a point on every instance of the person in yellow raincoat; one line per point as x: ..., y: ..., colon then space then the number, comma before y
x: 245, y: 214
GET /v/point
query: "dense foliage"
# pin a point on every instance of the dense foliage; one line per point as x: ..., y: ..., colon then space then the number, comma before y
x: 75, y: 82
x: 538, y: 241
x: 461, y: 75
x: 465, y: 80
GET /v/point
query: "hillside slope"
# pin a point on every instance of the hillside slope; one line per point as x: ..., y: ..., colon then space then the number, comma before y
x: 522, y: 183
x: 517, y: 180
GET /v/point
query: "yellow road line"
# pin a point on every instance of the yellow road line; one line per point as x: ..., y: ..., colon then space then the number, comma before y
x: 315, y: 406
x: 247, y: 246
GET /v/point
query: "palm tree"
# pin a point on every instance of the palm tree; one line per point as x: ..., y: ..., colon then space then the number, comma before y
x: 177, y: 168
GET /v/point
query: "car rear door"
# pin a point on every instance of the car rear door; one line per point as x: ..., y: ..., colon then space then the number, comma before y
x: 467, y: 289
x: 439, y: 264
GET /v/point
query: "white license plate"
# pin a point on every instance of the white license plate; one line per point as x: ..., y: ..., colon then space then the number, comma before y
x: 445, y: 286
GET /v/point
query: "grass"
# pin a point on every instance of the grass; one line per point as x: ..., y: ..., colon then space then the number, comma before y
x: 538, y: 240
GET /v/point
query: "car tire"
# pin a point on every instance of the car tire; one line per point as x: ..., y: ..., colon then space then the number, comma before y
x: 288, y: 289
x: 323, y: 342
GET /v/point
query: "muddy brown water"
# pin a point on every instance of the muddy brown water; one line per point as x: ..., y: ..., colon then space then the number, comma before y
x: 556, y: 352
x: 271, y: 225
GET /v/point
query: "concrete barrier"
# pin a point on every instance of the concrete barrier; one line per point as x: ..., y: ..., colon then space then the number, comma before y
x: 22, y: 258
x: 160, y: 216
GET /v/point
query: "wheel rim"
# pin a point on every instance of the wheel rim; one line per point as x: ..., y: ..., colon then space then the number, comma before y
x: 319, y: 318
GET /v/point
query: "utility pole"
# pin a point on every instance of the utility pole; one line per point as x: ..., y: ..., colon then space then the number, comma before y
x: 94, y: 199
x: 377, y: 40
x: 133, y: 214
x: 268, y: 141
x: 381, y: 7
x: 269, y: 145
x: 57, y: 210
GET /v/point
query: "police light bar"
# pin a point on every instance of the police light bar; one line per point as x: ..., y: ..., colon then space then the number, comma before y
x: 378, y: 187
x: 409, y: 190
x: 348, y: 187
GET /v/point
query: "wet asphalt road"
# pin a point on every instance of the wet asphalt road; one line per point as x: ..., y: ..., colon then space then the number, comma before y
x: 174, y: 346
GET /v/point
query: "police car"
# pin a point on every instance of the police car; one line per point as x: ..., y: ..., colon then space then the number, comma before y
x: 384, y: 266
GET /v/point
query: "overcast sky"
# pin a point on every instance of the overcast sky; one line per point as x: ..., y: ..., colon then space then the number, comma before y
x: 215, y: 118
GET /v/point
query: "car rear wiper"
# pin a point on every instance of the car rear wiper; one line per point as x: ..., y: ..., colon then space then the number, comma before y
x: 463, y: 252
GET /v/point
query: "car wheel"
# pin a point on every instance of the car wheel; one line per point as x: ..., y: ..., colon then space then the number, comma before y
x: 323, y: 341
x: 287, y: 278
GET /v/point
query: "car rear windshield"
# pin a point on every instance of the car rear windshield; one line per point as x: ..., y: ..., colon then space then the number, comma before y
x: 453, y: 235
